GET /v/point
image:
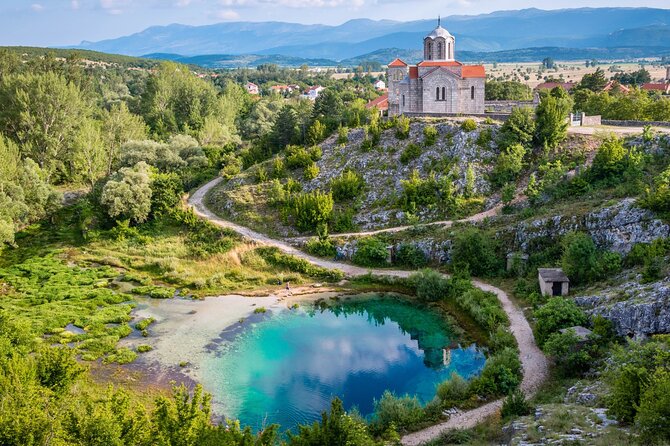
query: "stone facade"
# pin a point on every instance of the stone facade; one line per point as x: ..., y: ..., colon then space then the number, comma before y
x: 439, y: 85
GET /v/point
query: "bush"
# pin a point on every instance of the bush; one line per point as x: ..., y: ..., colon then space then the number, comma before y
x: 411, y: 152
x: 342, y: 135
x: 402, y: 412
x: 515, y: 405
x: 571, y: 359
x: 370, y: 251
x: 311, y: 209
x: 483, y: 307
x: 556, y: 314
x: 474, y: 250
x: 297, y: 157
x: 418, y: 192
x: 166, y: 191
x: 430, y: 285
x: 469, y: 125
x: 501, y: 339
x: 402, y: 125
x: 429, y: 135
x: 582, y: 262
x: 501, y: 374
x: 276, y: 258
x: 311, y: 172
x: 653, y: 413
x: 453, y: 391
x: 410, y: 255
x: 322, y: 247
x: 518, y: 129
x: 343, y: 221
x: 508, y: 165
x: 347, y: 186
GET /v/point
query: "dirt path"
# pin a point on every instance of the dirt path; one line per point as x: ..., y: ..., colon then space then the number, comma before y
x: 535, y: 366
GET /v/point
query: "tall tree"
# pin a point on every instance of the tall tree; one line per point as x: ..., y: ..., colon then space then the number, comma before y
x: 119, y: 126
x: 552, y: 118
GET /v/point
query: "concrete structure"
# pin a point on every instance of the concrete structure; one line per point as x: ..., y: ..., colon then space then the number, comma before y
x: 553, y: 282
x: 313, y: 92
x: 439, y: 84
x: 517, y: 261
x: 380, y: 85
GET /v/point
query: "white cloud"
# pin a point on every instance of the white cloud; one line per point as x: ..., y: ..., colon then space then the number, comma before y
x: 37, y: 7
x: 227, y: 14
x: 74, y: 4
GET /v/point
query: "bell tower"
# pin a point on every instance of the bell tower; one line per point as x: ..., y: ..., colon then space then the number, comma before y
x: 439, y: 45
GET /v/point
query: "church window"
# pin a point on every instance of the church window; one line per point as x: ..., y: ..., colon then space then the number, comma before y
x: 444, y: 94
x: 439, y: 50
x: 437, y: 94
x: 403, y: 100
x: 472, y: 92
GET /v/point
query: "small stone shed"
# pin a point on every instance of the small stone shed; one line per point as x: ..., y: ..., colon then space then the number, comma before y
x: 553, y: 282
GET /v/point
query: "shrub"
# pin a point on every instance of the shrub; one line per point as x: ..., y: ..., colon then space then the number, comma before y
x: 501, y: 374
x: 311, y: 172
x: 518, y: 129
x: 343, y: 135
x: 474, y: 250
x: 402, y: 412
x: 343, y: 221
x: 311, y: 209
x: 508, y: 165
x: 347, y: 186
x: 469, y: 125
x: 278, y: 168
x: 411, y: 255
x: 453, y: 391
x: 276, y: 258
x: 580, y: 257
x: 261, y: 175
x: 322, y: 247
x: 144, y: 348
x: 556, y: 314
x: 429, y: 135
x: 370, y: 251
x: 166, y: 191
x: 551, y: 125
x: 317, y: 132
x: 515, y: 405
x: 501, y: 339
x: 127, y: 195
x: 411, y: 152
x: 430, y: 285
x: 652, y: 416
x: 402, y: 125
x: 297, y: 157
x: 614, y: 162
x: 483, y: 307
x: 571, y: 359
x: 417, y: 191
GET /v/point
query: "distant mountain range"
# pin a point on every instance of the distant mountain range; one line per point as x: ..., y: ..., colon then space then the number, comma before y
x: 600, y: 30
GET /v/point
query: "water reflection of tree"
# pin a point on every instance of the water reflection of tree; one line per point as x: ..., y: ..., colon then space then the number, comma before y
x: 423, y: 325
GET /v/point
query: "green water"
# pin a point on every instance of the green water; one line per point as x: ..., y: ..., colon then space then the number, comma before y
x: 287, y: 367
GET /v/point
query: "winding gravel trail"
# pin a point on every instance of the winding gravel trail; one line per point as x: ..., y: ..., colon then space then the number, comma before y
x: 534, y: 363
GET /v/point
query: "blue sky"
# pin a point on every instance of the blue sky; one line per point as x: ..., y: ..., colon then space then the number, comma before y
x: 65, y: 22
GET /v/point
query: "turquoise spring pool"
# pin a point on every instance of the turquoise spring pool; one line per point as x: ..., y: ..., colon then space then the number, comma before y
x: 286, y: 367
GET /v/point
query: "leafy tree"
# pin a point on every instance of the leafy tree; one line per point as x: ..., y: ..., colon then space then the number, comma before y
x: 652, y: 416
x: 595, y: 81
x: 119, y: 126
x: 127, y: 195
x: 166, y: 191
x: 614, y: 162
x: 335, y: 428
x: 474, y: 250
x: 43, y: 113
x: 508, y: 165
x: 429, y: 135
x: 638, y: 77
x: 90, y: 156
x: 580, y: 257
x: 507, y: 91
x: 57, y: 369
x: 518, y: 129
x: 392, y: 411
x: 556, y: 314
x: 571, y: 358
x: 551, y: 118
x: 411, y: 255
x: 658, y: 198
x: 329, y: 109
x: 515, y: 405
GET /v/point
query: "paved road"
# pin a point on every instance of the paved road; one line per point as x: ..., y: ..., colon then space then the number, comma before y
x: 534, y: 363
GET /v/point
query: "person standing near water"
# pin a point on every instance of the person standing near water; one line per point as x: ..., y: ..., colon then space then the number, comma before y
x: 288, y: 289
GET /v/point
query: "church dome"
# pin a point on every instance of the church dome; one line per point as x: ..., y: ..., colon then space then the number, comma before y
x: 439, y: 32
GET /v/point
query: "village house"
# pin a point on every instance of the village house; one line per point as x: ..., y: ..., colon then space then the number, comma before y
x: 380, y: 85
x: 439, y: 84
x: 662, y: 88
x: 567, y: 86
x: 313, y: 92
x: 553, y: 282
x: 381, y: 104
x: 252, y: 88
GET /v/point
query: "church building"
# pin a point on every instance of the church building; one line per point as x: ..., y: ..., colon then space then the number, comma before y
x: 439, y: 84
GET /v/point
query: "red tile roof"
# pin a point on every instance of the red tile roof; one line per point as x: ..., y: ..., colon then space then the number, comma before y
x: 567, y: 86
x: 413, y: 72
x: 469, y: 71
x: 397, y: 63
x: 382, y: 103
x: 438, y: 63
x: 656, y: 87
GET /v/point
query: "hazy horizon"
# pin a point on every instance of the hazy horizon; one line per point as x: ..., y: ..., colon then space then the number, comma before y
x: 69, y: 22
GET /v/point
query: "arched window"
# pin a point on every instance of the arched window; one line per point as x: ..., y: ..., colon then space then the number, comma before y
x: 444, y: 94
x: 437, y: 94
x: 430, y: 51
x: 403, y: 100
x: 439, y: 50
x: 472, y: 92
x: 450, y: 56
